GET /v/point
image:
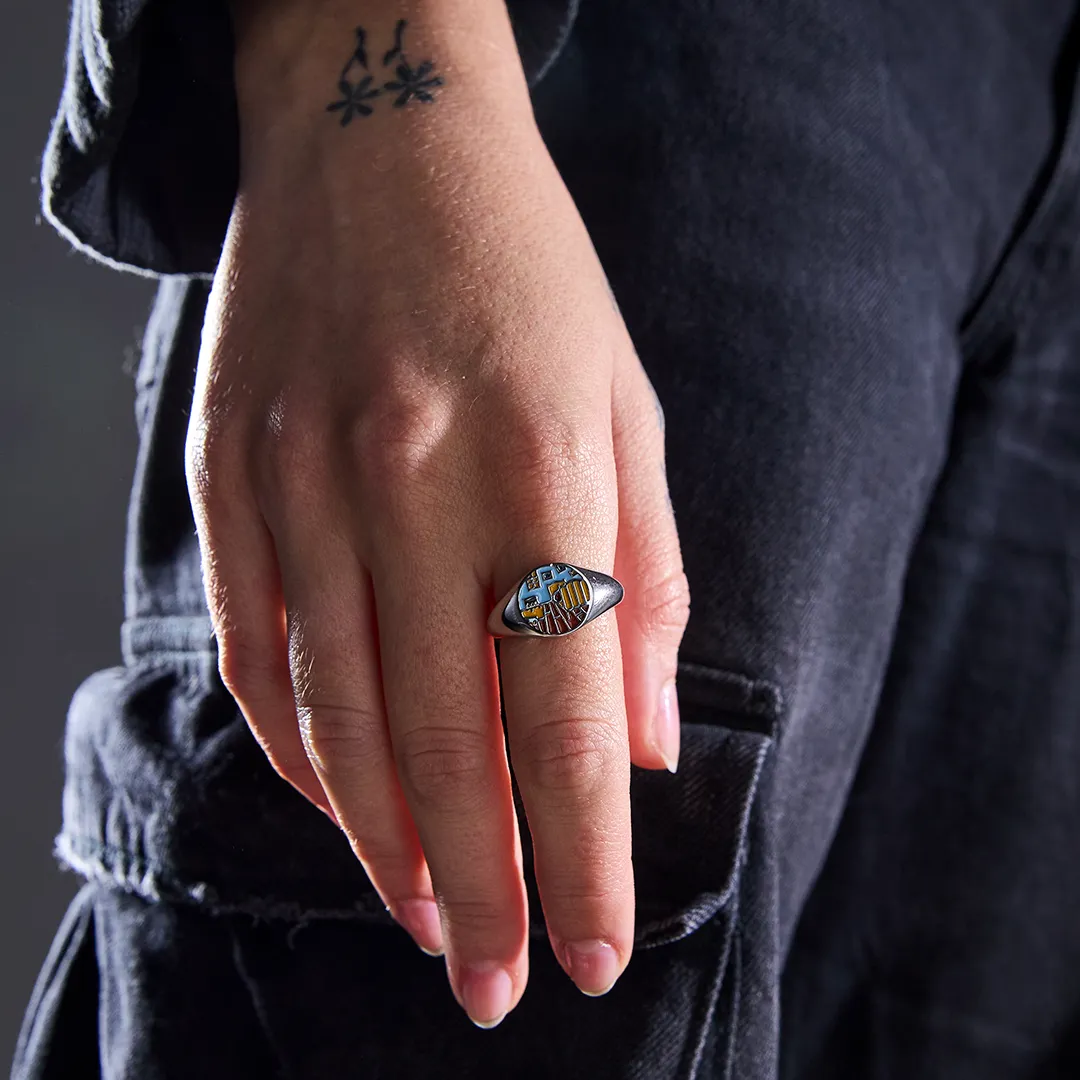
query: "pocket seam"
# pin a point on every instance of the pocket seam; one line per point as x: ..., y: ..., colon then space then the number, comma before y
x: 105, y: 864
x: 758, y: 702
x: 677, y: 926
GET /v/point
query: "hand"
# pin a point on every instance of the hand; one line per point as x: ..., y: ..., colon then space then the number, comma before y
x: 413, y: 387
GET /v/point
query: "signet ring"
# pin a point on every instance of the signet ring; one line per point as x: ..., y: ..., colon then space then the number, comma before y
x: 553, y: 600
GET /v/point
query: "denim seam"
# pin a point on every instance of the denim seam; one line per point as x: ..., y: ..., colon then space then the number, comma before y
x: 759, y: 697
x: 1015, y: 286
x: 1014, y: 305
x: 106, y: 864
x: 116, y: 868
x: 560, y: 43
x: 258, y: 1007
x: 730, y: 1051
x: 711, y: 1000
x: 101, y: 861
x: 68, y: 939
x: 722, y: 899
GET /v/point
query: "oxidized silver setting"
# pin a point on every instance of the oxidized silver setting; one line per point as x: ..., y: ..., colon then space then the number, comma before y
x: 554, y: 600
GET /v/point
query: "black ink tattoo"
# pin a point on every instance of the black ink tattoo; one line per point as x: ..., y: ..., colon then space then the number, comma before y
x: 353, y: 99
x: 411, y: 83
x: 414, y: 83
x: 359, y: 56
x: 355, y: 95
x: 399, y: 30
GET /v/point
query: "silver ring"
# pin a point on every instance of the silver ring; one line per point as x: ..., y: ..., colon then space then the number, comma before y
x: 554, y: 600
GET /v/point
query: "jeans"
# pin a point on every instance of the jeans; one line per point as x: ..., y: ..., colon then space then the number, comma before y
x: 844, y: 238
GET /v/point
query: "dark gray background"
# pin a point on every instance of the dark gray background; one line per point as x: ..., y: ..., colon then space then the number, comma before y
x: 69, y: 332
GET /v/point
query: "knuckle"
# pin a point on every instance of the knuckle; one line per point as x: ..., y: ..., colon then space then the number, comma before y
x: 245, y: 669
x: 399, y: 439
x: 443, y: 766
x: 475, y: 918
x: 213, y: 444
x: 665, y: 605
x: 568, y: 756
x: 295, y: 462
x: 587, y: 900
x: 386, y: 857
x: 205, y: 455
x: 551, y: 474
x: 334, y: 733
x: 198, y: 468
x: 289, y: 761
x: 552, y: 451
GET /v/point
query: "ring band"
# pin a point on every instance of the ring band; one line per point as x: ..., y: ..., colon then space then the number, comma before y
x: 554, y: 600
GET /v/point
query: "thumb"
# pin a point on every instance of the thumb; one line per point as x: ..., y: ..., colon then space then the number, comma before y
x: 648, y: 561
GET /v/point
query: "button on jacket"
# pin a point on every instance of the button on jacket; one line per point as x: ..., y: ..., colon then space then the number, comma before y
x: 843, y: 236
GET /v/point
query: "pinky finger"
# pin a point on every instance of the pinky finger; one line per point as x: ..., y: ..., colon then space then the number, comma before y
x: 243, y: 592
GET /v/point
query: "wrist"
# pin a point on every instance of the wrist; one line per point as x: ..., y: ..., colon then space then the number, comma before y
x: 414, y: 67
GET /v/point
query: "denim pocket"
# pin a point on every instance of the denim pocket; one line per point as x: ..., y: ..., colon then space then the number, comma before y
x: 691, y: 833
x: 676, y: 1010
x: 690, y: 829
x: 168, y: 795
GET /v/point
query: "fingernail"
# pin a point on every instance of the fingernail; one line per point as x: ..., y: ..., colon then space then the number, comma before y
x: 486, y: 990
x: 666, y: 726
x: 593, y: 965
x: 421, y: 919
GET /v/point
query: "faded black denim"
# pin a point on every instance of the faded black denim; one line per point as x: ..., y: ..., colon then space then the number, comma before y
x: 843, y: 236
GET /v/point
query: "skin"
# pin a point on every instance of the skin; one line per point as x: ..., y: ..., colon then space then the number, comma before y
x: 413, y: 387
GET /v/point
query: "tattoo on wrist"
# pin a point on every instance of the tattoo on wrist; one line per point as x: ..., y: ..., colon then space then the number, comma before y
x: 409, y: 83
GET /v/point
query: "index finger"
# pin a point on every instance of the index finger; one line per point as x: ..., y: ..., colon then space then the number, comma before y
x: 567, y: 729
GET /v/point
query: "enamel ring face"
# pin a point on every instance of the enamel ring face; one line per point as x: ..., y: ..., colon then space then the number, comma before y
x: 554, y: 600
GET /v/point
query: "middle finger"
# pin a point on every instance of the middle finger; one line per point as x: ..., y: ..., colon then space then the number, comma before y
x: 440, y: 683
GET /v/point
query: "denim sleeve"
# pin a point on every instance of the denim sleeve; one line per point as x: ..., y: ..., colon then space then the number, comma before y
x: 141, y: 164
